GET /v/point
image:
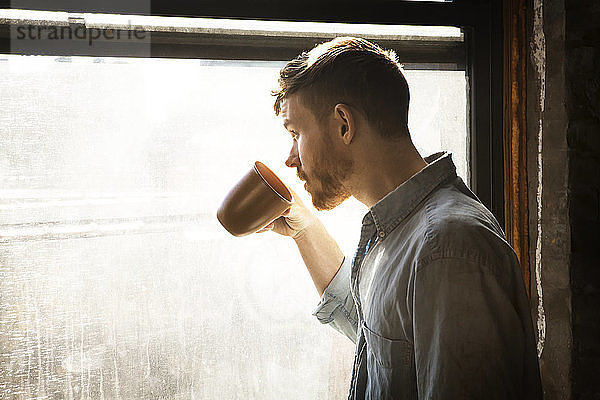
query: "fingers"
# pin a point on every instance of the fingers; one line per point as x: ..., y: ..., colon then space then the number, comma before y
x: 267, y: 228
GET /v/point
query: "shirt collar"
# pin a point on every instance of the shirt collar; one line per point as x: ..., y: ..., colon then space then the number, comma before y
x: 388, y: 212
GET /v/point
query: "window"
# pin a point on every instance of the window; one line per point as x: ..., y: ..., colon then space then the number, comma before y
x: 117, y: 280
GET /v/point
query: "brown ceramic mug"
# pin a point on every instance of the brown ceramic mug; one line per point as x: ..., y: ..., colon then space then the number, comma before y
x: 256, y: 200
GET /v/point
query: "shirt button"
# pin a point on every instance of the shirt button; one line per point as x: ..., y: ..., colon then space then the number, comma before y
x: 381, y: 234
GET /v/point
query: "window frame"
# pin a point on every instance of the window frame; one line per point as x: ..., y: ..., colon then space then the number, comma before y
x: 481, y: 21
x: 492, y: 114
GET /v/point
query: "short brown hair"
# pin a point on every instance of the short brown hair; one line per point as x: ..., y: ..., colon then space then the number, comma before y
x: 353, y: 71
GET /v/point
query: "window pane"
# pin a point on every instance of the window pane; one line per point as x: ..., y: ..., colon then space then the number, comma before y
x: 437, y: 114
x: 116, y: 279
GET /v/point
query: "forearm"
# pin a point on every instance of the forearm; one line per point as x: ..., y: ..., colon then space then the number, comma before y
x: 321, y: 254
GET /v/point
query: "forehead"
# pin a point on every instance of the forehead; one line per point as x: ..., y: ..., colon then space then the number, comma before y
x: 294, y: 112
x: 289, y: 105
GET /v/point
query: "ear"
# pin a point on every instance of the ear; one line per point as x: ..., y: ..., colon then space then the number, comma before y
x: 345, y: 122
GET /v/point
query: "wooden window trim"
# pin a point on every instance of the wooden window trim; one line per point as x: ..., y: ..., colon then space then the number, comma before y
x: 515, y: 133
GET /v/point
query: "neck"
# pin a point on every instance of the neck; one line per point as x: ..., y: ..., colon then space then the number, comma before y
x: 380, y: 172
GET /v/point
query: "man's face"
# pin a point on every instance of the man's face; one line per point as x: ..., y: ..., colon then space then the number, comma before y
x: 316, y: 158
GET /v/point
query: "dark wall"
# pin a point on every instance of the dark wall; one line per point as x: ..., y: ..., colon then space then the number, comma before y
x: 582, y: 50
x: 563, y: 128
x: 547, y: 176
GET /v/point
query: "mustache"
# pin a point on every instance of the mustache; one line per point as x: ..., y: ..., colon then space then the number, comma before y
x: 301, y: 175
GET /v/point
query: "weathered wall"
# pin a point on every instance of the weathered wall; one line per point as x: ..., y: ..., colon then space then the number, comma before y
x: 548, y: 194
x: 563, y: 175
x: 582, y: 50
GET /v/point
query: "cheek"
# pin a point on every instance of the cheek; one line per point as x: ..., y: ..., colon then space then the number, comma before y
x: 302, y: 152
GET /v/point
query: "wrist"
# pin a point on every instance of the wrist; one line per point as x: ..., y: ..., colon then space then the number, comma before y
x: 299, y: 235
x: 309, y: 230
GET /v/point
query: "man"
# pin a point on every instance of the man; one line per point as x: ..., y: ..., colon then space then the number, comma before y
x: 434, y: 297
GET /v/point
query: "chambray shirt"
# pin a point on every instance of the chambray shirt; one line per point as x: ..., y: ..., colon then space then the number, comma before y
x: 434, y: 298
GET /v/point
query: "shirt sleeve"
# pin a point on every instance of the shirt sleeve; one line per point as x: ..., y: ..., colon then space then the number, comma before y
x: 337, y: 307
x: 469, y: 338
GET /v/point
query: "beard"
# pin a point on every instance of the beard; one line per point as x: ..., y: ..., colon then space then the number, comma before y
x: 326, y: 181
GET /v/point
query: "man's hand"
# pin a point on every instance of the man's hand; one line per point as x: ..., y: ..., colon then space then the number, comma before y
x: 294, y: 221
x: 318, y: 249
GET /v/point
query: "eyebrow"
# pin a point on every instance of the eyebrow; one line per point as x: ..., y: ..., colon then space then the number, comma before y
x: 286, y: 125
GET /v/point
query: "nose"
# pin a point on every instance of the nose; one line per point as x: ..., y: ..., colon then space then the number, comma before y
x: 293, y: 160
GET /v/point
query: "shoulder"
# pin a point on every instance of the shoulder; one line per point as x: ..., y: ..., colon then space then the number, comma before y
x: 458, y: 226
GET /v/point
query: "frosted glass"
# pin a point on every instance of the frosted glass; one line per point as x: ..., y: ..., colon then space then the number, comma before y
x: 116, y: 279
x: 437, y: 116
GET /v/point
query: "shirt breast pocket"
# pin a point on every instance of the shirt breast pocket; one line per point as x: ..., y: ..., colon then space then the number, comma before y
x: 390, y: 367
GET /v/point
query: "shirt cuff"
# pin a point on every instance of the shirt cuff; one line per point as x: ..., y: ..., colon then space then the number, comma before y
x: 335, y: 295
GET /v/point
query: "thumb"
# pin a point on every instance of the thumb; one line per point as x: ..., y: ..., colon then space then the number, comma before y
x: 267, y: 228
